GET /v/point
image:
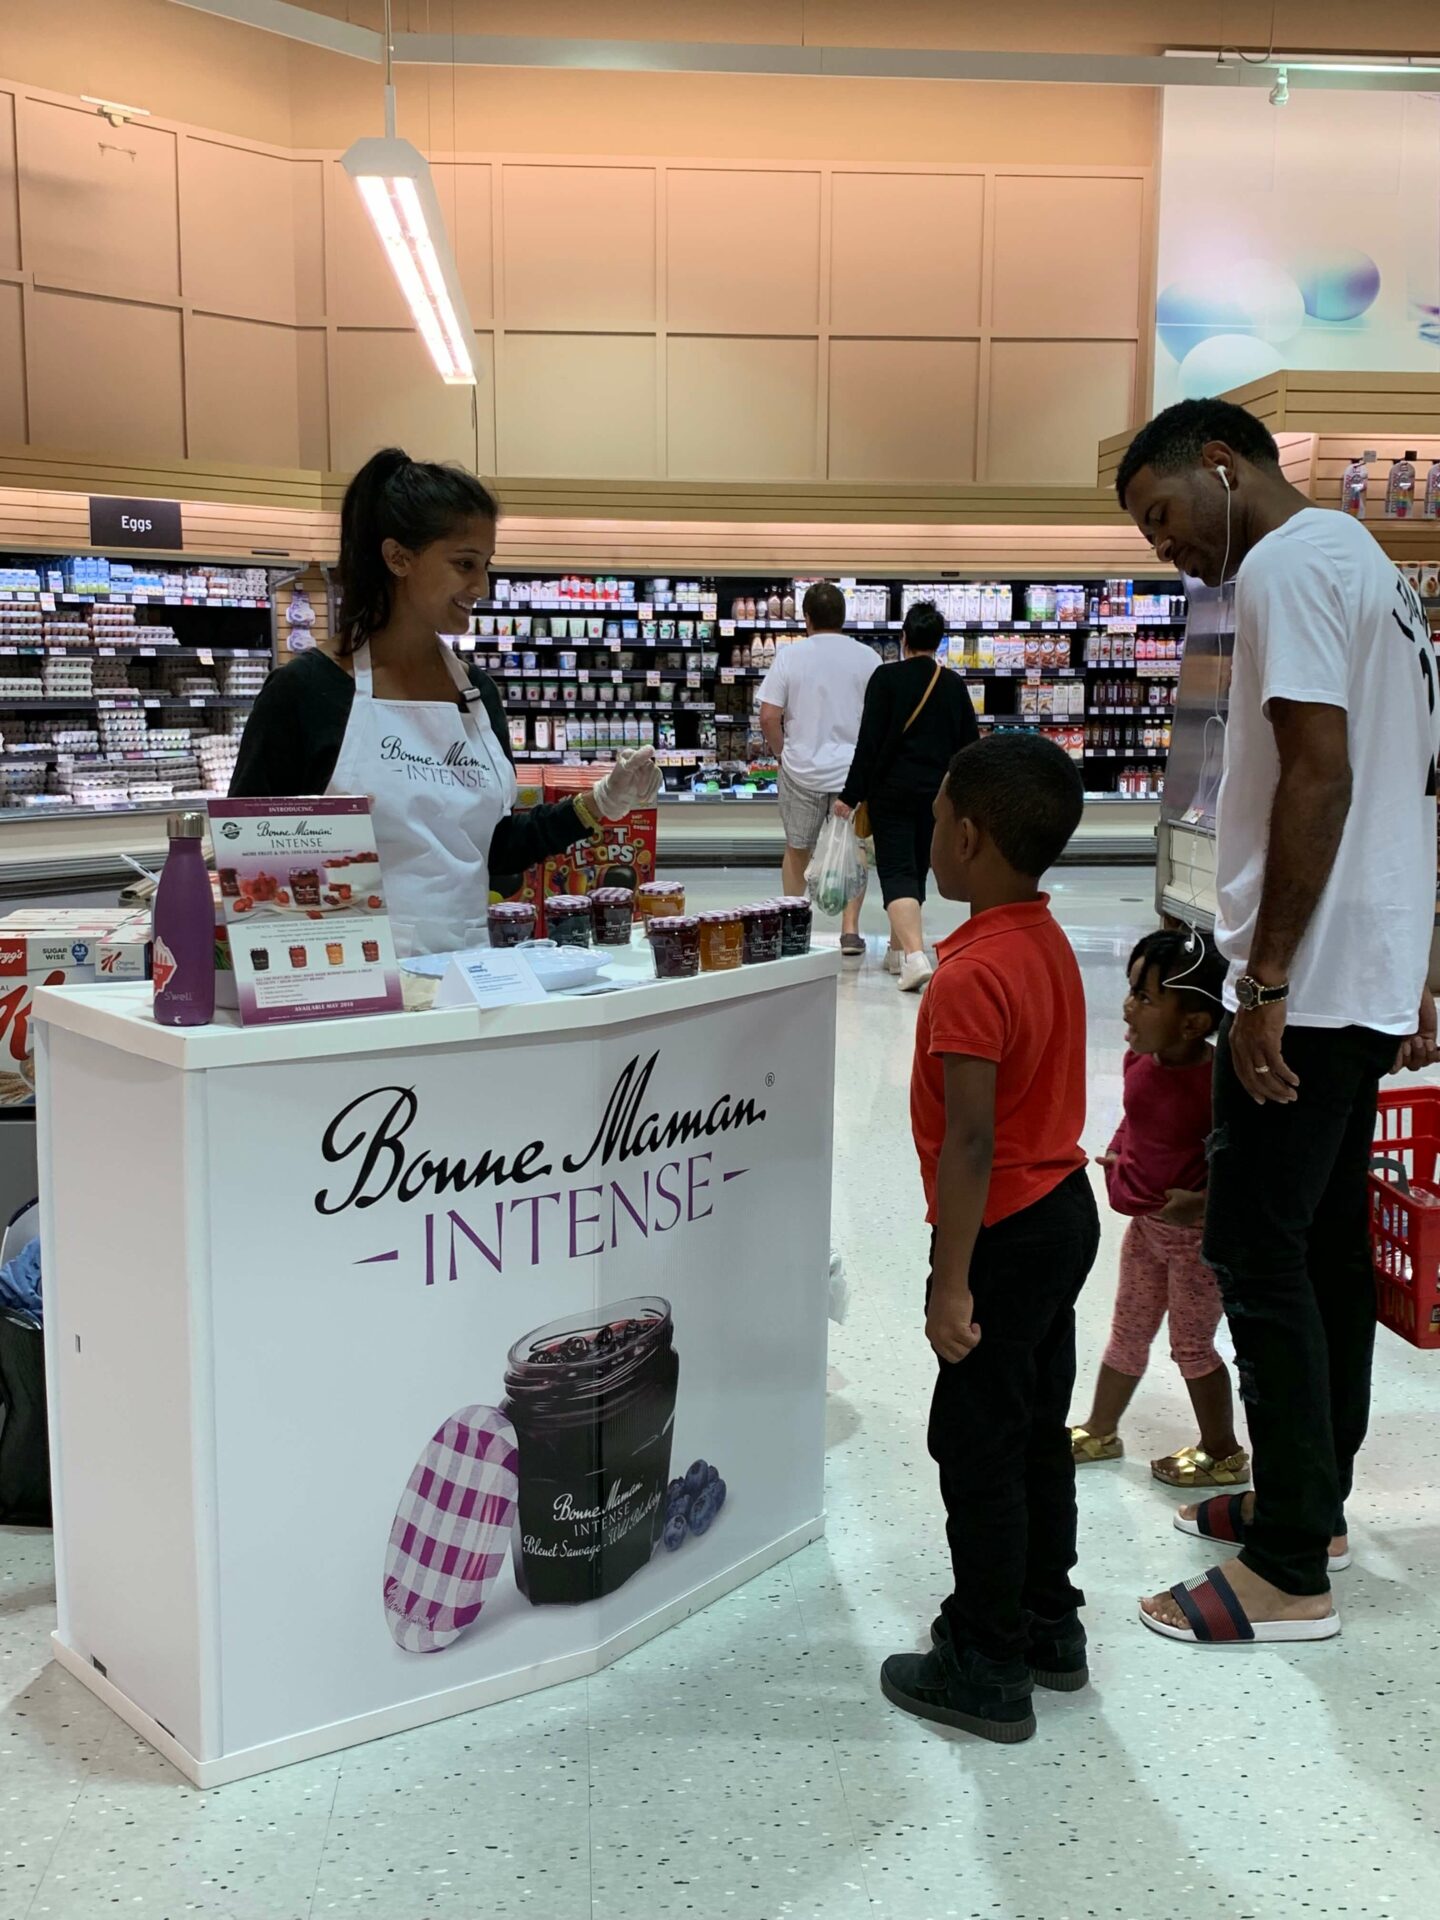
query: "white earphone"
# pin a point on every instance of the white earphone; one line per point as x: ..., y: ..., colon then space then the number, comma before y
x: 1224, y: 478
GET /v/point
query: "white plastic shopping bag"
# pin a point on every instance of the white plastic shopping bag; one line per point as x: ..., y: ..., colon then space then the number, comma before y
x: 836, y: 874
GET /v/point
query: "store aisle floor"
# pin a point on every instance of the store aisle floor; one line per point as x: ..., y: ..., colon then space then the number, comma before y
x: 744, y: 1763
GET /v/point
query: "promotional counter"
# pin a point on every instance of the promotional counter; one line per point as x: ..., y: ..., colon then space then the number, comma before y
x: 404, y: 1363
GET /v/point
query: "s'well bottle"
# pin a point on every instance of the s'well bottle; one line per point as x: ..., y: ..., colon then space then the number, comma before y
x: 184, y: 927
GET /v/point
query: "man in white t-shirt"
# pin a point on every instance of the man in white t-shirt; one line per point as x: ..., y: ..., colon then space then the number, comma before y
x: 1325, y: 858
x: 810, y: 706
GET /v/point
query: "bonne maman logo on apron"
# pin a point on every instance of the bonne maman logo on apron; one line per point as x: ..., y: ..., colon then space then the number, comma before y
x: 457, y: 767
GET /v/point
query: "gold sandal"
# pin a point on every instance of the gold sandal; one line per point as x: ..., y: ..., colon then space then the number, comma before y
x: 1193, y: 1467
x: 1086, y: 1446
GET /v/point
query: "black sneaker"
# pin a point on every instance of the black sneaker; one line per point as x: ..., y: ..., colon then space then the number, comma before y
x: 962, y: 1689
x: 1054, y: 1650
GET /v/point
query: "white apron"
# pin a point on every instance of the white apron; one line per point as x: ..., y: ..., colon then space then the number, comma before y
x: 439, y: 783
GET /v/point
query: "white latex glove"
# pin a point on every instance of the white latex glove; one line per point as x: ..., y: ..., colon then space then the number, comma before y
x: 633, y: 781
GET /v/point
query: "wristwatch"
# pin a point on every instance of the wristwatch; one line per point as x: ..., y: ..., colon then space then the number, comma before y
x: 1251, y: 994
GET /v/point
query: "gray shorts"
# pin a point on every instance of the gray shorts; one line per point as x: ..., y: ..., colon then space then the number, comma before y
x: 802, y: 813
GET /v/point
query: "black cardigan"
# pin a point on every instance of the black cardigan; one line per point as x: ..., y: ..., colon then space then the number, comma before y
x: 890, y: 763
x: 292, y: 742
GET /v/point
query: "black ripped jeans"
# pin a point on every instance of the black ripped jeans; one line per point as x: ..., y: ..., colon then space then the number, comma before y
x: 1287, y: 1232
x: 999, y: 1425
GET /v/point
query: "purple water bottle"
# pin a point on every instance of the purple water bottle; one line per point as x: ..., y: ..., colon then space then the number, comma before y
x: 184, y: 922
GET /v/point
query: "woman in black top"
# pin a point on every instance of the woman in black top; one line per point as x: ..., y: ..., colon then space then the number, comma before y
x: 898, y: 771
x: 387, y: 708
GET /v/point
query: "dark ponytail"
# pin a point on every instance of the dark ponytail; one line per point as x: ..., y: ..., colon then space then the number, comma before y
x: 393, y: 497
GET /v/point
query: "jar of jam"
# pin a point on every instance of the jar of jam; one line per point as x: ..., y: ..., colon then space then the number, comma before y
x: 568, y: 919
x: 796, y: 916
x: 675, y: 943
x: 613, y: 911
x: 660, y: 896
x: 510, y: 922
x: 305, y: 886
x: 762, y: 931
x: 722, y: 941
x: 592, y: 1402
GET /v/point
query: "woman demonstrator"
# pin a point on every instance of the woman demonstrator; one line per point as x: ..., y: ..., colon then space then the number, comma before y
x: 386, y: 708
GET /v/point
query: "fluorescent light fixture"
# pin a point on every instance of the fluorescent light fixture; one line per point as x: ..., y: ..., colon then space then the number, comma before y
x: 395, y: 183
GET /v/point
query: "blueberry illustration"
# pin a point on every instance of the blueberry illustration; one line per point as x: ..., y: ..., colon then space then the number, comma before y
x: 576, y: 1348
x: 675, y: 1528
x: 696, y: 1477
x: 712, y: 1474
x: 676, y: 1490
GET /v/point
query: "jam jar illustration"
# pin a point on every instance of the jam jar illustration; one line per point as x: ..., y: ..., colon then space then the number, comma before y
x: 592, y: 1402
x: 305, y: 886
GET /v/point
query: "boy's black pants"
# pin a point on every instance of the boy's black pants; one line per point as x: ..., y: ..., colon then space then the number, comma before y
x: 999, y: 1424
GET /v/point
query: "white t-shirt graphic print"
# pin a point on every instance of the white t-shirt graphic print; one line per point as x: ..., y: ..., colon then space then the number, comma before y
x: 1322, y: 616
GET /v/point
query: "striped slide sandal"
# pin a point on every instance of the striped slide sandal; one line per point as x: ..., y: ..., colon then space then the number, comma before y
x: 1223, y: 1518
x: 1215, y: 1618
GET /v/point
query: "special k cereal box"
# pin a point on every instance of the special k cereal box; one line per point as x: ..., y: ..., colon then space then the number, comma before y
x: 57, y: 955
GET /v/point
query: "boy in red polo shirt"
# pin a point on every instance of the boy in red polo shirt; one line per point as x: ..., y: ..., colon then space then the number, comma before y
x: 997, y: 1104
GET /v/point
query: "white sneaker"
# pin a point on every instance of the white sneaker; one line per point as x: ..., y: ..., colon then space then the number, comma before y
x: 915, y: 970
x: 893, y: 958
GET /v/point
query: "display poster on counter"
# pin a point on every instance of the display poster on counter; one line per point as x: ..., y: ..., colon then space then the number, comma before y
x: 542, y: 1330
x: 304, y: 902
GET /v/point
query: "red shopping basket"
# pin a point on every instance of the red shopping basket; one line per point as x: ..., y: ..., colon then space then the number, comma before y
x: 1405, y: 1214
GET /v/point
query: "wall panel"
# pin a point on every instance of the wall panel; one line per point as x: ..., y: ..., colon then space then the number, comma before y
x: 580, y: 247
x: 105, y: 373
x: 384, y: 392
x: 12, y: 363
x: 1052, y: 401
x: 99, y: 205
x: 251, y: 386
x: 252, y: 232
x: 743, y: 250
x: 571, y: 405
x: 903, y: 409
x: 906, y: 252
x: 1068, y: 255
x: 464, y: 193
x: 9, y: 185
x: 741, y: 409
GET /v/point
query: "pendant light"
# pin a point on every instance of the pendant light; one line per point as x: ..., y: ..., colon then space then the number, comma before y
x: 396, y: 185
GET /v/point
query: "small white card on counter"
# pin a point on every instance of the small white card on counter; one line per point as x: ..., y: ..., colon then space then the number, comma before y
x: 489, y: 977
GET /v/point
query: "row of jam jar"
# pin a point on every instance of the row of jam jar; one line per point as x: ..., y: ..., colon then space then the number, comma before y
x: 681, y: 943
x: 684, y: 944
x: 604, y: 916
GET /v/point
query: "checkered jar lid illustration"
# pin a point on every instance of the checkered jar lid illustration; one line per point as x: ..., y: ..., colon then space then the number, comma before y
x: 451, y: 1531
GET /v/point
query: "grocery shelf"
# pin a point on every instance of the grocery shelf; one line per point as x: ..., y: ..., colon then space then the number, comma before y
x: 161, y: 652
x: 48, y: 601
x: 85, y: 609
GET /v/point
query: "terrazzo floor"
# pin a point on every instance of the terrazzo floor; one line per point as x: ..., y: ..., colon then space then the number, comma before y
x: 744, y: 1764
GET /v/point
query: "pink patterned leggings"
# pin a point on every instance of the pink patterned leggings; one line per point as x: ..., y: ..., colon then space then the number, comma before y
x: 1161, y: 1271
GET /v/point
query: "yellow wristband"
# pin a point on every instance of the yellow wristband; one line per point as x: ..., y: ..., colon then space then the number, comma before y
x: 585, y: 812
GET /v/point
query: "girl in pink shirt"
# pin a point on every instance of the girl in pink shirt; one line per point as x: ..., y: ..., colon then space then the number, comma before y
x: 1155, y: 1172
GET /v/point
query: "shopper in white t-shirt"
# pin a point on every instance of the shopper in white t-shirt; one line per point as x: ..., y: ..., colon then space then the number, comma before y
x: 810, y: 706
x: 1325, y: 884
